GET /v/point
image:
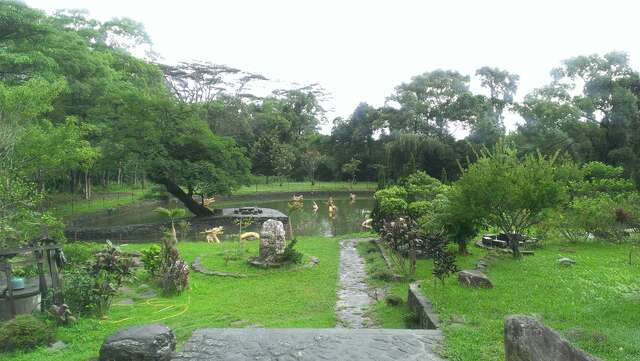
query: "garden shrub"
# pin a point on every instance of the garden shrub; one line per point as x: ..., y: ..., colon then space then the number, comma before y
x: 24, y: 332
x: 290, y: 254
x: 112, y: 261
x: 401, y: 236
x: 152, y: 260
x: 90, y: 288
x: 508, y: 192
x: 174, y: 272
x: 444, y: 261
x: 601, y: 217
x: 421, y: 186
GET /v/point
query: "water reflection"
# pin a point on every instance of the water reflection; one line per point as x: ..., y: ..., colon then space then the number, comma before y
x: 349, y: 215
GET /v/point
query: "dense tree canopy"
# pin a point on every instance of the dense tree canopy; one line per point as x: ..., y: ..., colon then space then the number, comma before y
x: 78, y: 109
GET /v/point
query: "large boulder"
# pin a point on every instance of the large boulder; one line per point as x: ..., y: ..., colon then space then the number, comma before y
x: 526, y: 339
x: 474, y: 278
x: 153, y: 342
x: 272, y: 240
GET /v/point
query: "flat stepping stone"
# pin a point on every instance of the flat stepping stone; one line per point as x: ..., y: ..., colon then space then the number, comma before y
x: 125, y: 302
x: 148, y: 294
x: 311, y: 344
x: 353, y: 291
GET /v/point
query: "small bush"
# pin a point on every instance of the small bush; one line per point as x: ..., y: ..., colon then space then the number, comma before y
x: 290, y: 254
x: 393, y: 300
x: 90, y: 288
x: 89, y: 294
x: 152, y: 260
x: 174, y: 272
x: 25, y: 332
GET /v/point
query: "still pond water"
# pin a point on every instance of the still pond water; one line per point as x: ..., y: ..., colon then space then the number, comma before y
x: 306, y: 222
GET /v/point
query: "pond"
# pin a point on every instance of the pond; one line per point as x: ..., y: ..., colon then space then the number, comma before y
x: 304, y: 222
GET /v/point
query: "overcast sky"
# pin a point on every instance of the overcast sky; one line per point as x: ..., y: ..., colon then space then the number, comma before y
x: 360, y: 50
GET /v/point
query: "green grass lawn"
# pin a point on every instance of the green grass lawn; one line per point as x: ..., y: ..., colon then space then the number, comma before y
x: 291, y: 297
x: 595, y: 304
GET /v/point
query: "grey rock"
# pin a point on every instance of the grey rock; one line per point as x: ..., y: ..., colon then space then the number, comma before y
x: 459, y: 319
x: 148, y: 294
x: 311, y: 345
x: 526, y: 339
x: 56, y: 346
x: 474, y: 278
x: 564, y: 261
x: 155, y: 342
x: 125, y: 301
x: 272, y: 240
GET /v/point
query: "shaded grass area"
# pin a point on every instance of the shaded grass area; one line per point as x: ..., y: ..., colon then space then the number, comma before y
x: 275, y: 187
x: 595, y: 304
x: 65, y: 204
x: 293, y: 297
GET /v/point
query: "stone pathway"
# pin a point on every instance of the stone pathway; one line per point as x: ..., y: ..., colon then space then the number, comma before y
x: 353, y: 291
x: 310, y: 345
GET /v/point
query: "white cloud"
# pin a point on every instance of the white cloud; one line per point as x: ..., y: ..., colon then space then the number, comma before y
x: 360, y: 50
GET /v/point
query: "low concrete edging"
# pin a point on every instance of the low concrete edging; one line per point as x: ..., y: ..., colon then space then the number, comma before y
x: 422, y: 307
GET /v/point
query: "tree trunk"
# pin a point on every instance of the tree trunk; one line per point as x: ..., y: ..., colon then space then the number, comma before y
x: 462, y: 248
x: 87, y: 185
x: 515, y: 246
x: 193, y: 206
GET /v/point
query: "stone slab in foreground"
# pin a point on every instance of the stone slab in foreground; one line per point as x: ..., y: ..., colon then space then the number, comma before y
x: 526, y: 339
x: 260, y: 344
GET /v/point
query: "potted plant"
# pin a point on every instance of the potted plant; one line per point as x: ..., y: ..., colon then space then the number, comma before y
x: 21, y: 273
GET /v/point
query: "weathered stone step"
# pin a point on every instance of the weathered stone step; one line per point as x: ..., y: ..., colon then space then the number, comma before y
x: 311, y: 344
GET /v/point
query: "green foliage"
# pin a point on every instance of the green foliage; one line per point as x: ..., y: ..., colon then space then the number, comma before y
x: 21, y: 219
x: 444, y: 261
x: 419, y: 209
x: 79, y: 253
x: 290, y: 254
x: 151, y: 259
x: 24, y: 332
x: 90, y: 288
x: 421, y: 186
x: 174, y: 271
x: 87, y: 293
x: 402, y: 237
x: 599, y: 217
x: 351, y: 168
x: 507, y: 192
